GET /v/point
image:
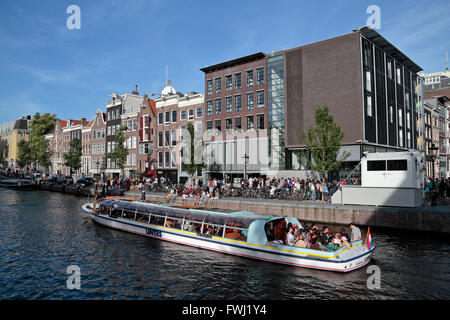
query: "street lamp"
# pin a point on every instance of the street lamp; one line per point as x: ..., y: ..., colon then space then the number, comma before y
x: 433, y: 148
x: 245, y: 157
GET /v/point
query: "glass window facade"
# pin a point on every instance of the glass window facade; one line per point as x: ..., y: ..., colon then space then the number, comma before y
x: 389, y: 118
x: 275, y: 105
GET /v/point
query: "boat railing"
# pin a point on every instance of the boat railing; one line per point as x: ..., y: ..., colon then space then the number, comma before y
x: 227, y: 229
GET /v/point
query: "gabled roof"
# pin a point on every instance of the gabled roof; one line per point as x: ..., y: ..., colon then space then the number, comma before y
x: 152, y: 104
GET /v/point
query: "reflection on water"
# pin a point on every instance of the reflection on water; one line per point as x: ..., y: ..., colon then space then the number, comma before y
x: 43, y: 233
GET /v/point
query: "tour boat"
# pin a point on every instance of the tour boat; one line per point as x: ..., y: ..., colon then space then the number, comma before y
x: 238, y: 233
x: 17, y: 184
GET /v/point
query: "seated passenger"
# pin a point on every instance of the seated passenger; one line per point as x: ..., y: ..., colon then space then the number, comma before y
x: 332, y: 246
x: 290, y: 237
x: 169, y: 223
x: 344, y: 242
x: 344, y: 234
x: 337, y: 239
x: 315, y: 244
x: 325, y: 235
x: 300, y: 243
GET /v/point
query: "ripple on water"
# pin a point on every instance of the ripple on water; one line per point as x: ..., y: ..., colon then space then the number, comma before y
x: 43, y: 233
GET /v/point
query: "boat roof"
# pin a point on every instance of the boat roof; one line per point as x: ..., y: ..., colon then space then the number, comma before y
x: 224, y: 213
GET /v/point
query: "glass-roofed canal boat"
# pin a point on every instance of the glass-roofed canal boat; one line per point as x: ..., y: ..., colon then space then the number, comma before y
x: 239, y: 233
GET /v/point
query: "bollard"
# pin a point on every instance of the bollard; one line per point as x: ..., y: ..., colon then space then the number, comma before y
x: 143, y: 195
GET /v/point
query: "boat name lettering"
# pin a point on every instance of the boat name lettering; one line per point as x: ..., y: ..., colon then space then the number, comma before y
x: 153, y: 232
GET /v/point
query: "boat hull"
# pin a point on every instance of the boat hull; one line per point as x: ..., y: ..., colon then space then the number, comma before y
x: 260, y: 252
x: 18, y: 187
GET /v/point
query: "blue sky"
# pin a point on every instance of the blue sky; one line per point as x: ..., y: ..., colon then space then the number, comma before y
x: 46, y: 67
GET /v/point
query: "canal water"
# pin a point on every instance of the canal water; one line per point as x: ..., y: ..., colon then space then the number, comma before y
x: 43, y: 233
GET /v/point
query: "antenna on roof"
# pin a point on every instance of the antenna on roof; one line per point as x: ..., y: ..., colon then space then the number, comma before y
x: 446, y: 60
x: 167, y: 73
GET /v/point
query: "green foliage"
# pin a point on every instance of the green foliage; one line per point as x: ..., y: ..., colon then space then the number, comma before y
x: 73, y: 157
x: 324, y: 141
x: 24, y: 153
x: 191, y: 167
x: 40, y: 126
x: 139, y: 174
x: 119, y: 155
x: 3, y: 150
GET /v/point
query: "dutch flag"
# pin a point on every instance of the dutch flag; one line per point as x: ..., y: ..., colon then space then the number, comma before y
x: 368, y: 239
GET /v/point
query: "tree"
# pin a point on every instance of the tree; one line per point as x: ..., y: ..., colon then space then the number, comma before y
x: 73, y: 157
x: 39, y: 127
x: 120, y: 152
x: 323, y: 142
x: 24, y: 153
x: 3, y: 151
x: 191, y: 168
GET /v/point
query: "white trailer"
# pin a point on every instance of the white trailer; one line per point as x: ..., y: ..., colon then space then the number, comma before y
x: 387, y: 179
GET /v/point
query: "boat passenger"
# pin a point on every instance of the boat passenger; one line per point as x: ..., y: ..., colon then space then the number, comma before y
x: 344, y: 234
x: 169, y: 223
x: 300, y: 243
x: 325, y: 235
x: 315, y: 244
x: 332, y: 246
x: 290, y: 237
x: 356, y: 233
x: 344, y: 242
x: 337, y: 239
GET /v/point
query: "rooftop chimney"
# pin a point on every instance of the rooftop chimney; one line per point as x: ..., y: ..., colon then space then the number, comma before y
x: 135, y: 91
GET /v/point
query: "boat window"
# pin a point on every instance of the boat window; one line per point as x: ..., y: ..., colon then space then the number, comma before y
x: 175, y: 223
x: 116, y: 212
x: 239, y: 222
x: 194, y: 216
x: 128, y: 214
x: 192, y: 226
x: 216, y: 220
x: 213, y: 229
x: 159, y: 220
x: 236, y: 234
x: 177, y: 213
x: 141, y: 217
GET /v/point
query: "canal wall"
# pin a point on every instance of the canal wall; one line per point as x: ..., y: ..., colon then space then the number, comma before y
x: 425, y: 218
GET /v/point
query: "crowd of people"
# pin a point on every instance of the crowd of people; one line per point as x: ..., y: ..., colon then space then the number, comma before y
x: 437, y: 189
x: 312, y: 237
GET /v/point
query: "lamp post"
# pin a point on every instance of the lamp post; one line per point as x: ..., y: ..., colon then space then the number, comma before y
x: 433, y: 148
x: 245, y: 157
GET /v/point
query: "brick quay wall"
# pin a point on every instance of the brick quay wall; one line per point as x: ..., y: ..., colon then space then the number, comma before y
x: 425, y: 218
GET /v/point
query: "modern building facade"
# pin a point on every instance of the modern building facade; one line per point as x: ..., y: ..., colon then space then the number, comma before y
x: 371, y: 88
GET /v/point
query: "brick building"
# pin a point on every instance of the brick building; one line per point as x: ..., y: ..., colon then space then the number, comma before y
x: 98, y: 141
x: 371, y: 88
x: 174, y: 111
x: 146, y: 126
